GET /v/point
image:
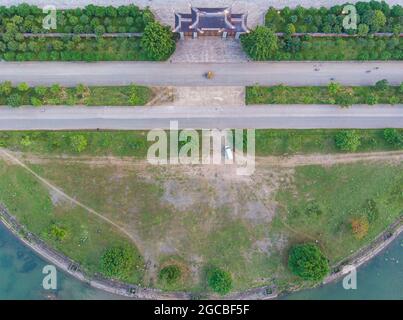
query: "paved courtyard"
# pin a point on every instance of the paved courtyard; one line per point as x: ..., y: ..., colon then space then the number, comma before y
x: 209, y: 96
x: 209, y: 49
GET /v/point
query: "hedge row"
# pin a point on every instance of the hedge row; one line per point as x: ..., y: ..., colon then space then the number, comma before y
x: 373, y: 16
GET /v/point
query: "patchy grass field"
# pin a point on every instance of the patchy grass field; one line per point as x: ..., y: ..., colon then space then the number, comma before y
x: 197, y: 217
x: 322, y: 201
x: 41, y: 211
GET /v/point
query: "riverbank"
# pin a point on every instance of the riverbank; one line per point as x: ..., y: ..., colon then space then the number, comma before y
x: 135, y: 292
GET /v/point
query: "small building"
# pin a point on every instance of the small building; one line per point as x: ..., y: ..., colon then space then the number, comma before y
x: 211, y: 22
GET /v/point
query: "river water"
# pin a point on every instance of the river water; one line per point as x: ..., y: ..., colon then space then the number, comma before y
x: 21, y: 277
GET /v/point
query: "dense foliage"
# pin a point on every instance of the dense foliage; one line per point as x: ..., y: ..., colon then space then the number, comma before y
x: 118, y: 263
x: 219, y: 281
x: 331, y: 94
x: 324, y: 48
x: 373, y: 16
x: 261, y: 43
x: 15, y: 21
x: 91, y: 19
x: 170, y: 274
x: 348, y: 140
x: 80, y: 95
x: 157, y: 42
x: 308, y: 262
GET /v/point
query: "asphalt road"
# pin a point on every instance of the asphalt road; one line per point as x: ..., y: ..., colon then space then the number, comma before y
x: 192, y: 74
x: 144, y: 118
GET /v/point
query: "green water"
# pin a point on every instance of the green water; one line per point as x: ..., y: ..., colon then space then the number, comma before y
x: 21, y: 277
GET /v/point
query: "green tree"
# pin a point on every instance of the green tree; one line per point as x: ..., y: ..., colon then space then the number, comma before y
x: 157, y: 42
x: 308, y: 262
x: 382, y: 84
x: 23, y: 87
x: 219, y: 281
x: 14, y: 100
x: 261, y: 43
x: 118, y: 262
x: 289, y: 29
x: 78, y: 143
x: 378, y: 20
x: 393, y: 137
x: 170, y: 274
x: 363, y: 29
x: 348, y: 140
x: 6, y: 88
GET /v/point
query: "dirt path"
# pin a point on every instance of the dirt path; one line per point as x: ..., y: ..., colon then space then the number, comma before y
x: 10, y: 158
x: 271, y: 161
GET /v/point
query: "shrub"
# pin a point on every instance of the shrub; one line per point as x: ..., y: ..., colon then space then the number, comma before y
x: 6, y: 88
x: 36, y: 102
x: 157, y: 41
x: 359, y: 227
x: 57, y: 233
x: 363, y: 29
x: 371, y: 99
x: 261, y: 43
x: 118, y: 263
x: 308, y: 262
x: 219, y: 281
x: 170, y: 274
x: 14, y: 100
x: 382, y: 84
x: 393, y: 137
x: 78, y: 143
x: 23, y: 87
x: 348, y: 140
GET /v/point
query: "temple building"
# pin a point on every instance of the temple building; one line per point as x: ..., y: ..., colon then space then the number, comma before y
x: 211, y: 22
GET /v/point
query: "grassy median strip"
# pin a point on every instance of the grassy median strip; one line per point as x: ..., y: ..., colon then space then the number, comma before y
x: 334, y: 93
x: 23, y: 94
x: 135, y: 144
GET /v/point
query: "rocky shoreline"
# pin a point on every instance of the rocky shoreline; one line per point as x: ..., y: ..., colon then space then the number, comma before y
x: 136, y: 292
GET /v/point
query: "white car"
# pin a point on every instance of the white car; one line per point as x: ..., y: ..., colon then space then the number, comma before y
x: 228, y: 153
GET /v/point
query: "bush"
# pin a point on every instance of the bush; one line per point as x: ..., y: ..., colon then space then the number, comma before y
x: 118, y: 263
x: 348, y: 140
x: 393, y: 137
x: 23, y: 87
x: 170, y: 274
x: 6, y: 88
x: 78, y: 143
x: 157, y: 42
x: 382, y: 84
x: 57, y: 233
x: 219, y: 281
x: 14, y: 100
x: 308, y: 262
x: 359, y: 227
x: 261, y: 43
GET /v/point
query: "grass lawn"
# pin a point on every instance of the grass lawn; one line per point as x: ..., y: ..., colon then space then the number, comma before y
x: 41, y: 210
x: 322, y: 201
x: 81, y: 95
x: 135, y: 144
x: 320, y: 95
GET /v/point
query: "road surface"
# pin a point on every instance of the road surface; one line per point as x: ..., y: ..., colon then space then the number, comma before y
x: 192, y: 74
x: 144, y: 118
